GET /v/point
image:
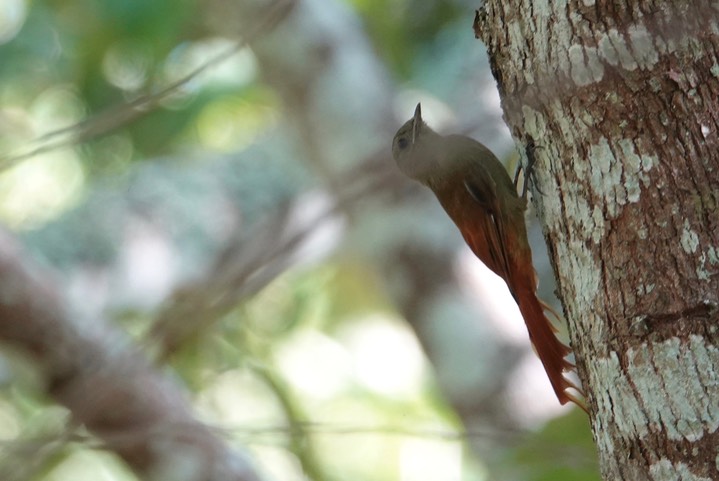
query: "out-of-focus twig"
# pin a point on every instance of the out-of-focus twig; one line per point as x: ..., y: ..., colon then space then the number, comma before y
x: 300, y: 443
x: 123, y: 114
x: 254, y: 260
x: 106, y: 384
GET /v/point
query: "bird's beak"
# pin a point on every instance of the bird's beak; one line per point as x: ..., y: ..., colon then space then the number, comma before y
x: 416, y: 122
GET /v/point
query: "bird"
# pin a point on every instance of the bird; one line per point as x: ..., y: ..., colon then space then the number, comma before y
x: 477, y: 193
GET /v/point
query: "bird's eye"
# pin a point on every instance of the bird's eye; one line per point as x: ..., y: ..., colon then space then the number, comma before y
x: 402, y: 143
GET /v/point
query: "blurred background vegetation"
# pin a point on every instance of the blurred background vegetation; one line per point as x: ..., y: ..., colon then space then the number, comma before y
x: 152, y: 150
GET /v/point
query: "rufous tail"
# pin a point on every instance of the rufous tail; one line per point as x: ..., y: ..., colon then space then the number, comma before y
x: 548, y: 347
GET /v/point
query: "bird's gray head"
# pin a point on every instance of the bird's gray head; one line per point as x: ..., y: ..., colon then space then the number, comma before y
x: 415, y: 148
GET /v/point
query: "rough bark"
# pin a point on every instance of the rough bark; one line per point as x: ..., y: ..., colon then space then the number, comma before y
x: 621, y: 99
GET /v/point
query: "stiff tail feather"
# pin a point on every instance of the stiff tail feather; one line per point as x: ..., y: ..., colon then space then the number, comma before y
x: 548, y: 347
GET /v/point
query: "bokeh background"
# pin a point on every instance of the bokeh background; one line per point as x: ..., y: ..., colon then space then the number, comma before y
x: 215, y: 178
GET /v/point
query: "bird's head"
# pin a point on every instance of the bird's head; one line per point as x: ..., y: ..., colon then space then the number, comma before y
x: 415, y: 148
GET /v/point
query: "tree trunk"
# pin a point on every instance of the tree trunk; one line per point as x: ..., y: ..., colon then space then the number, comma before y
x: 621, y: 100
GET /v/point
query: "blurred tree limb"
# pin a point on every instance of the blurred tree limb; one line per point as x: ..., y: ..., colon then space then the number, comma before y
x: 251, y: 260
x: 106, y: 384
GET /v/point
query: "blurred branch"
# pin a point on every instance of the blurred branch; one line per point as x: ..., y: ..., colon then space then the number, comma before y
x: 123, y: 114
x: 107, y: 386
x: 300, y: 445
x: 255, y: 259
x: 336, y: 429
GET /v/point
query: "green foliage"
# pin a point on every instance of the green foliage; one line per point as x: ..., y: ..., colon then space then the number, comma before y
x: 401, y: 29
x: 562, y: 450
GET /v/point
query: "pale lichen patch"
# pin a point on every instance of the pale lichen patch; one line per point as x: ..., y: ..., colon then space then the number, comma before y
x: 588, y: 220
x: 674, y: 397
x: 648, y: 385
x: 559, y: 35
x: 616, y: 398
x: 624, y: 56
x: 534, y: 123
x: 586, y: 65
x: 665, y: 470
x: 585, y: 273
x: 706, y: 358
x: 606, y: 176
x: 598, y: 219
x: 600, y: 159
x: 645, y: 53
x: 574, y: 122
x: 678, y: 376
x: 714, y: 27
x: 514, y: 32
x: 639, y: 49
x: 636, y: 168
x: 713, y: 255
x: 665, y: 386
x: 632, y: 161
x: 607, y: 50
x: 595, y: 64
x: 648, y: 161
x: 578, y: 70
x: 706, y: 260
x: 689, y: 238
x: 632, y: 167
